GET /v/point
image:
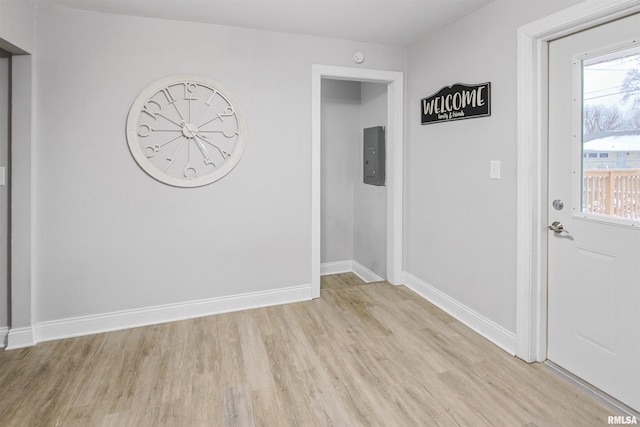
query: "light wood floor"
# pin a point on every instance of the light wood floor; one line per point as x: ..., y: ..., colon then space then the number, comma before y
x: 361, y: 355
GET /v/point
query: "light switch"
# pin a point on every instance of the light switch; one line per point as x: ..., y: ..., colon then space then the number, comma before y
x: 494, y: 169
x: 2, y: 178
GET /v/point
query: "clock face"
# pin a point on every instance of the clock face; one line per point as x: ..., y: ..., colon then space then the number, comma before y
x: 186, y: 131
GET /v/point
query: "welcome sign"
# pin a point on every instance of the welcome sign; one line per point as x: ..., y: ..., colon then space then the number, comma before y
x: 456, y: 102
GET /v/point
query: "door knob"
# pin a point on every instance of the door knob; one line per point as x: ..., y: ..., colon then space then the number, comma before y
x: 558, y: 204
x: 557, y: 227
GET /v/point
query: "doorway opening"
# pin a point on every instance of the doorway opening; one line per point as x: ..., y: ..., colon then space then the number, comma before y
x: 20, y: 331
x: 353, y: 208
x: 394, y: 143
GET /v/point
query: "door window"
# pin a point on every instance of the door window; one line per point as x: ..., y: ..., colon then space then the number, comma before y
x: 611, y: 133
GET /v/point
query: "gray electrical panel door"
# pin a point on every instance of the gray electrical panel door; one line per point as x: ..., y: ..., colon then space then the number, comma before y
x: 374, y: 156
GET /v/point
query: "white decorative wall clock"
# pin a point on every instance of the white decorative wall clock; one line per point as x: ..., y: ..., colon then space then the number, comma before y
x: 186, y: 130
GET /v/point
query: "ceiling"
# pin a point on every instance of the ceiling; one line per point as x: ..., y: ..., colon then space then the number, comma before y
x: 397, y: 22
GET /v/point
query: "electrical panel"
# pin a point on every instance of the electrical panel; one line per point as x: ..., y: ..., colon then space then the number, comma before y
x: 374, y: 156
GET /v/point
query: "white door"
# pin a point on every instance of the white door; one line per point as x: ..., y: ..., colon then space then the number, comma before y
x: 594, y: 172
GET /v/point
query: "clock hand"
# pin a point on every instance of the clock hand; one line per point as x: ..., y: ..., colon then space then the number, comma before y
x: 201, y: 147
x: 224, y: 154
x: 203, y: 151
x: 190, y: 131
x: 188, y: 126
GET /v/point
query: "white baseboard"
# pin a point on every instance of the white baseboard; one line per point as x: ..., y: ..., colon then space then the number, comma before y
x: 365, y: 274
x: 336, y: 267
x: 87, y: 325
x: 349, y: 266
x: 20, y: 338
x: 94, y: 324
x: 485, y: 327
x: 4, y: 331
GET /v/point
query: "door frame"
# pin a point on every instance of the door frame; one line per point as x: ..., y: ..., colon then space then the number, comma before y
x: 394, y: 133
x: 532, y: 162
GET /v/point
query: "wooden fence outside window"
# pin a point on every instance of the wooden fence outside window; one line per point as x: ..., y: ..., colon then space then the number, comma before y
x: 613, y: 192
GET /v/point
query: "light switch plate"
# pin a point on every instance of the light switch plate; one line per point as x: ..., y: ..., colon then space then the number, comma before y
x: 494, y: 169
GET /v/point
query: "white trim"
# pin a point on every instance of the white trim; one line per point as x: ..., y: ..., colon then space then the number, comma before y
x: 336, y: 267
x: 531, y: 247
x: 316, y: 156
x: 20, y: 338
x: 349, y: 266
x: 395, y: 138
x: 395, y: 218
x: 3, y: 336
x: 94, y: 324
x: 365, y: 274
x: 487, y: 328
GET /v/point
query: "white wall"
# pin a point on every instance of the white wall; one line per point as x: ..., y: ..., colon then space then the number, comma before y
x: 340, y: 138
x: 370, y: 201
x: 459, y: 224
x: 108, y: 237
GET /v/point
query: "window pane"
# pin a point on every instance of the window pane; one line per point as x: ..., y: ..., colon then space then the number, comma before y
x: 611, y: 134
